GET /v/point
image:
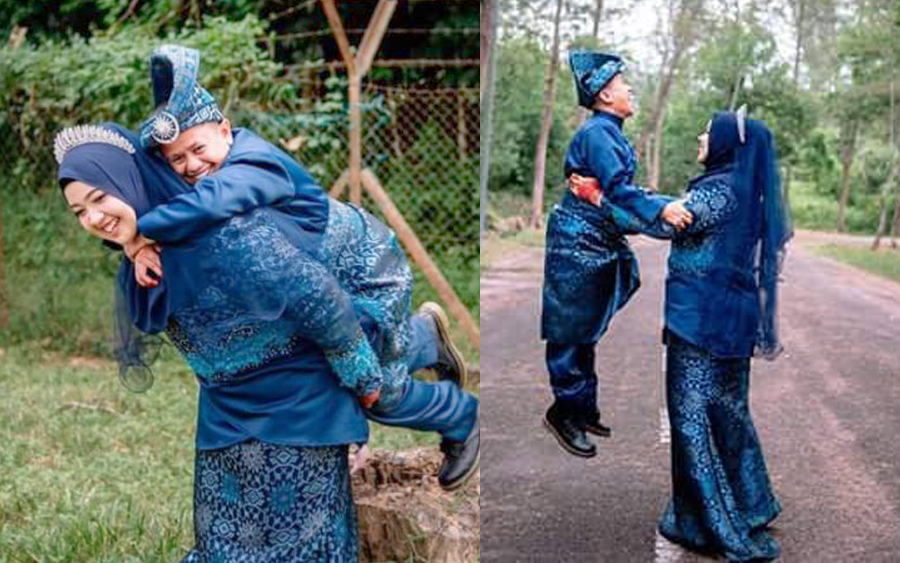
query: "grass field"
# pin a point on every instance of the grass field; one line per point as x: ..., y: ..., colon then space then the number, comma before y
x: 92, y: 473
x: 884, y: 262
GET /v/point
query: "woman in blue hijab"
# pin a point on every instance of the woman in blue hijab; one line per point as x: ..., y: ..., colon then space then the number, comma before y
x: 266, y: 328
x: 271, y: 476
x: 721, y: 310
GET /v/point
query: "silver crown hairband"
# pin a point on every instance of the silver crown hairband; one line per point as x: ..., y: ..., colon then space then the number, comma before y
x: 72, y: 137
x: 742, y: 123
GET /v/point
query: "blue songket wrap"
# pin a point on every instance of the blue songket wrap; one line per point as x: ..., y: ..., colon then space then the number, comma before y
x: 590, y: 271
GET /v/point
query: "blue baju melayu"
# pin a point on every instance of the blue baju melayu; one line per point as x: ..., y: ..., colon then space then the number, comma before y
x: 590, y: 271
x: 355, y: 252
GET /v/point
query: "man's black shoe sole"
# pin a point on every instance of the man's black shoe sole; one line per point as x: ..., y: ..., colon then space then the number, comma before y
x: 564, y: 444
x: 443, y: 327
x: 599, y: 432
x: 453, y: 485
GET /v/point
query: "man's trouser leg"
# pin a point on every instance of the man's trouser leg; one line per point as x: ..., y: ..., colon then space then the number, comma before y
x: 437, y: 407
x: 573, y: 379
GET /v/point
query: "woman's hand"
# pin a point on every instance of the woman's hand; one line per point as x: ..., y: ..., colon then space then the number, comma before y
x: 368, y: 401
x: 586, y: 188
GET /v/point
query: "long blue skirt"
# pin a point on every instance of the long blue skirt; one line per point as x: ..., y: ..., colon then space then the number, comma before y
x: 722, y: 498
x: 261, y: 503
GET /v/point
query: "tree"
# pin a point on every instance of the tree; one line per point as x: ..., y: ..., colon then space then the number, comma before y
x: 683, y: 20
x: 540, y: 151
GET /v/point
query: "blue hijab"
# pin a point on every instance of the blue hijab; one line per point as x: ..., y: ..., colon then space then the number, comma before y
x: 753, y: 166
x: 140, y: 313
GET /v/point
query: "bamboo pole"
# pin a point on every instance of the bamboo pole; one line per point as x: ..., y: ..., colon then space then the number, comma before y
x: 421, y: 257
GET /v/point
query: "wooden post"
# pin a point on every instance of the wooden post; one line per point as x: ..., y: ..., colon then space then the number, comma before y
x: 357, y: 177
x: 339, y: 185
x: 355, y: 138
x: 418, y: 253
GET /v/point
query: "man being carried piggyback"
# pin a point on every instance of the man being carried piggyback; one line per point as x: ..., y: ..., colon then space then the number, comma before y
x: 234, y: 172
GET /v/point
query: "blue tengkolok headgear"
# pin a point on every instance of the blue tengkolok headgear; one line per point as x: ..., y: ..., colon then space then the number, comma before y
x: 180, y: 101
x: 592, y: 71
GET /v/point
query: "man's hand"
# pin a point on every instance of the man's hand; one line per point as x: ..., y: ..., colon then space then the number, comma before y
x: 368, y: 401
x: 677, y: 215
x: 586, y: 188
x: 146, y: 261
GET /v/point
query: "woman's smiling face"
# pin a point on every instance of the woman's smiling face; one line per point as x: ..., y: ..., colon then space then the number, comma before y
x: 102, y: 215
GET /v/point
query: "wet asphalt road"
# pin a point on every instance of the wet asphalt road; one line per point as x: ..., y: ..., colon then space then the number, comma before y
x: 828, y: 414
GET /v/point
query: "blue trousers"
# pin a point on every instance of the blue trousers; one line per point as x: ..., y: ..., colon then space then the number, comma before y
x: 573, y: 378
x: 436, y: 407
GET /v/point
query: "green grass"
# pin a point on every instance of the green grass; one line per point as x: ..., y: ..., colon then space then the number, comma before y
x: 94, y: 473
x: 884, y: 262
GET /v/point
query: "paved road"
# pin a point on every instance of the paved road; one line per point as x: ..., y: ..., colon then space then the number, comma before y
x: 828, y: 412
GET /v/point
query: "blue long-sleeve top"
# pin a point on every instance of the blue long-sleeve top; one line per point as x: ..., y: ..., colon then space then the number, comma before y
x: 599, y: 149
x: 255, y: 174
x: 711, y: 292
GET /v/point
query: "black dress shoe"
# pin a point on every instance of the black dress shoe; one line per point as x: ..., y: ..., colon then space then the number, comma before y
x: 569, y: 433
x: 460, y: 459
x: 450, y: 364
x: 594, y: 426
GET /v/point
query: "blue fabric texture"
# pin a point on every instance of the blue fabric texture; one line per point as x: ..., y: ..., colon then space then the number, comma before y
x: 255, y: 174
x: 592, y: 71
x: 573, y: 378
x: 432, y: 407
x: 721, y: 292
x: 262, y: 502
x: 722, y: 498
x: 600, y: 150
x: 590, y: 271
x: 180, y: 101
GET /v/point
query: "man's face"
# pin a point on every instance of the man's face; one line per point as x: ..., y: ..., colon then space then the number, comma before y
x: 616, y: 97
x: 200, y: 150
x: 102, y: 215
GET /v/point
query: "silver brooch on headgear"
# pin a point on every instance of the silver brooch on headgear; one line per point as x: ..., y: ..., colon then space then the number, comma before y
x: 72, y: 137
x: 165, y: 128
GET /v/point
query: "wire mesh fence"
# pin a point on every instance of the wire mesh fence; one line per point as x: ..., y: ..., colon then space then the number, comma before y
x: 422, y: 143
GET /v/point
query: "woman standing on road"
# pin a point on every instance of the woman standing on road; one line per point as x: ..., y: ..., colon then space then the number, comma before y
x: 721, y: 309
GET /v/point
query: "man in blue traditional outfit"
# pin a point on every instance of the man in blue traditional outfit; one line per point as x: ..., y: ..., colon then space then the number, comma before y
x: 590, y: 271
x: 233, y: 172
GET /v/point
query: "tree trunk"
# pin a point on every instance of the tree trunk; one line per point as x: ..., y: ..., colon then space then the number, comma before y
x: 882, y: 215
x: 896, y: 226
x: 540, y: 152
x: 581, y: 113
x: 656, y: 156
x: 786, y: 185
x: 799, y: 16
x: 848, y: 150
x: 597, y: 16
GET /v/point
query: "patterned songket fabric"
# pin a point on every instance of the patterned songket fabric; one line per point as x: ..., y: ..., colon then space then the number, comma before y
x: 722, y: 499
x: 256, y: 502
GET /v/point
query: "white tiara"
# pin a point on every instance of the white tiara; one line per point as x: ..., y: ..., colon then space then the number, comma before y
x: 72, y: 137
